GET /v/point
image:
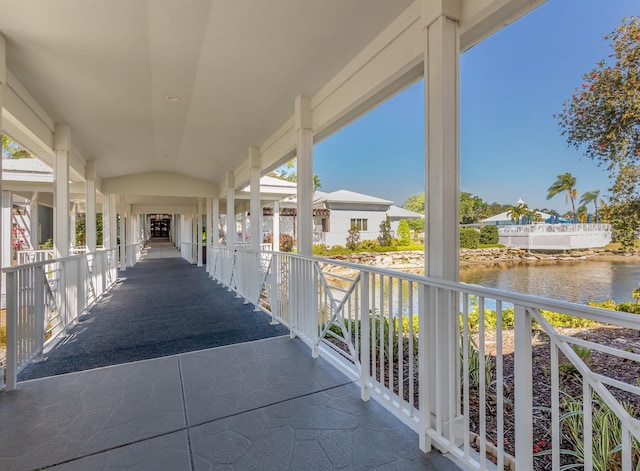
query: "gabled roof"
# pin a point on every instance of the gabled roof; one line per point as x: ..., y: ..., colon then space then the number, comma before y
x: 346, y: 196
x: 396, y: 212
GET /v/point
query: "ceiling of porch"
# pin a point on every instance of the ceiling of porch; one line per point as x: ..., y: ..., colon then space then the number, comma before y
x: 109, y: 69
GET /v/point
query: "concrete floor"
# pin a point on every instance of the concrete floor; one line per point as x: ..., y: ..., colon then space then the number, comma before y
x: 258, y: 405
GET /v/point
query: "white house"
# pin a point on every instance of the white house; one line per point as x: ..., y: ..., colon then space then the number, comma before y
x: 346, y: 208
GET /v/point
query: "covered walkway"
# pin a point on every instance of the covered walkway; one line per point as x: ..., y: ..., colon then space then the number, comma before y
x: 260, y: 404
x: 161, y: 306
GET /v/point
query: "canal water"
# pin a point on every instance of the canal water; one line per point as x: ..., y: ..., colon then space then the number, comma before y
x: 578, y: 281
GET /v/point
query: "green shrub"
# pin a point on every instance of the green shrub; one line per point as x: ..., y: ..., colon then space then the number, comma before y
x: 368, y: 246
x: 339, y: 250
x: 404, y: 233
x: 633, y: 308
x: 385, y: 233
x: 489, y: 235
x: 353, y: 237
x: 3, y: 335
x: 469, y: 238
x: 47, y: 245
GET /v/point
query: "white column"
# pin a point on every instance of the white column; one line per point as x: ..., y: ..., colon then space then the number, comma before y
x: 231, y: 211
x: 243, y: 226
x: 7, y: 215
x: 34, y: 221
x: 4, y: 222
x: 438, y: 375
x: 254, y: 207
x: 276, y: 226
x: 215, y: 221
x: 90, y: 215
x: 73, y: 217
x: 131, y: 235
x: 123, y: 234
x: 62, y: 148
x: 209, y: 228
x: 113, y: 222
x: 304, y: 154
x: 106, y: 221
x: 199, y: 231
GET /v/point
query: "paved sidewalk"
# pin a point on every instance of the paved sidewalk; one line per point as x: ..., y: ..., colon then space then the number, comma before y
x: 263, y: 405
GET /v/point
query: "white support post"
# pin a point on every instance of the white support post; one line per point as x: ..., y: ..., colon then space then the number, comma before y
x: 62, y: 148
x: 113, y: 222
x: 216, y: 218
x: 3, y: 220
x: 243, y: 227
x: 131, y: 234
x: 441, y: 70
x: 90, y: 212
x: 304, y: 154
x: 199, y: 231
x: 523, y: 379
x: 276, y: 227
x: 73, y: 217
x: 34, y: 221
x: 7, y: 215
x: 209, y: 226
x: 254, y: 224
x: 6, y: 251
x: 230, y: 231
x: 123, y: 234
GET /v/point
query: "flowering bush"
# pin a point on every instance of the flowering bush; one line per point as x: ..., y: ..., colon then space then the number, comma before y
x: 18, y: 238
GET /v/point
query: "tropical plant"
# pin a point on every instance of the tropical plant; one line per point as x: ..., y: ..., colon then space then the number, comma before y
x: 602, y: 118
x: 518, y: 211
x: 565, y: 183
x: 592, y: 197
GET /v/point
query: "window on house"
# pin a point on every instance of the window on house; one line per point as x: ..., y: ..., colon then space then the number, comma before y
x: 361, y: 224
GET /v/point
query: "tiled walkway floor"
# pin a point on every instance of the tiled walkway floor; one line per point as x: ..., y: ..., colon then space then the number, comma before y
x: 262, y: 405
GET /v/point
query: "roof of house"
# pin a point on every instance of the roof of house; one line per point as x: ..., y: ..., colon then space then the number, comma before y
x: 396, y: 212
x: 346, y: 196
x: 25, y: 166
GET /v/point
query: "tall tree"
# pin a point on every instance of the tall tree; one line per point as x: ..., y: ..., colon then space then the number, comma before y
x: 415, y: 203
x: 602, y: 118
x: 564, y: 183
x: 289, y: 172
x: 591, y: 197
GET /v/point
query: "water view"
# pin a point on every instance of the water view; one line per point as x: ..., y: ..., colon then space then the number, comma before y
x: 574, y: 281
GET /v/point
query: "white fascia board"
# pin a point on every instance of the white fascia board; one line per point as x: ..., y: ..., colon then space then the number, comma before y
x: 280, y: 147
x: 27, y: 177
x: 159, y: 183
x: 481, y: 18
x: 24, y: 186
x: 162, y: 209
x: 25, y: 120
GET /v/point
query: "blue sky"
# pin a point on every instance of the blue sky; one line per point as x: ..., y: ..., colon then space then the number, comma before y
x: 510, y: 145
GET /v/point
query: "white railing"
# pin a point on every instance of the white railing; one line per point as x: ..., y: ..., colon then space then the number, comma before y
x: 32, y: 256
x: 44, y: 298
x: 544, y: 228
x: 436, y: 354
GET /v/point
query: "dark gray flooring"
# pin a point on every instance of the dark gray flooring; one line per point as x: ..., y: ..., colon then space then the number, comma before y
x: 162, y: 306
x: 264, y: 405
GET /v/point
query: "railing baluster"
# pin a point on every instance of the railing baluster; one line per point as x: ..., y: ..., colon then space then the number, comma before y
x: 523, y: 381
x: 499, y: 386
x: 482, y: 390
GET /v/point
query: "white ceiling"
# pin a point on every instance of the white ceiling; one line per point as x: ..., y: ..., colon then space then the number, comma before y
x: 105, y: 67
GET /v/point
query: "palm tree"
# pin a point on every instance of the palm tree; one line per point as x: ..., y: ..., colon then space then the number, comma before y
x: 565, y: 182
x: 516, y: 212
x: 591, y: 197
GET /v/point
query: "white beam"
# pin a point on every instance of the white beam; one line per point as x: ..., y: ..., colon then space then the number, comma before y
x: 171, y: 184
x: 162, y: 209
